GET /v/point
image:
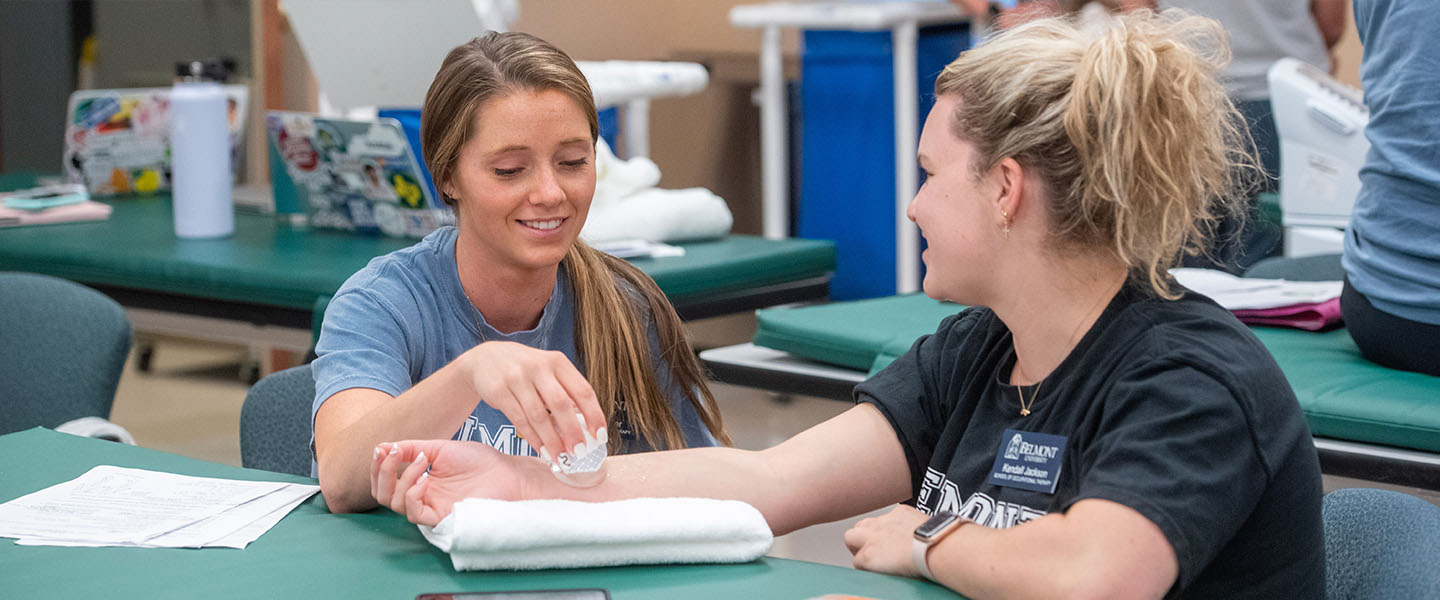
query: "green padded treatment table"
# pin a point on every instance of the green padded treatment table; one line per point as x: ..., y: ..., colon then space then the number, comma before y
x: 861, y: 334
x: 869, y: 334
x: 1345, y: 397
x: 273, y: 274
x: 314, y: 554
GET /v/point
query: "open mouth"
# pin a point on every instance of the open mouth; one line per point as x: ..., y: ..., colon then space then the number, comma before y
x: 546, y: 225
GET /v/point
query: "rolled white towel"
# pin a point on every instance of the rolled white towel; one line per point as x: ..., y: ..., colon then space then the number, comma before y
x: 484, y: 534
x: 616, y: 178
x: 628, y: 206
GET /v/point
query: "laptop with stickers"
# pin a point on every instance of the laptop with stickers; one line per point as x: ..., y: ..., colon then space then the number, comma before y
x: 118, y: 141
x: 353, y: 175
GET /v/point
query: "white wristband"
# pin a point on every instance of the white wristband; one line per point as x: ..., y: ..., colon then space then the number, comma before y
x: 918, y: 550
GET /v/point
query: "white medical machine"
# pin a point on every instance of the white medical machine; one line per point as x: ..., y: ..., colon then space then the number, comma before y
x: 1321, y: 124
x: 369, y: 53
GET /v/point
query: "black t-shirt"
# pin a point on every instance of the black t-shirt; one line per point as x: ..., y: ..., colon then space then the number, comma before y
x: 1172, y: 408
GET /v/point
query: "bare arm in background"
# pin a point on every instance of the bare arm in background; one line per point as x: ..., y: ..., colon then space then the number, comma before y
x: 1330, y: 18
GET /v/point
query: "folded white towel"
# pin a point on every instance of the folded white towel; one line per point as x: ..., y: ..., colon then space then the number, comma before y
x: 543, y: 534
x: 1240, y: 293
x: 628, y: 206
x: 660, y: 216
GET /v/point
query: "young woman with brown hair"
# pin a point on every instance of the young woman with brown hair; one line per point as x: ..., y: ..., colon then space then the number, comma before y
x: 1090, y: 429
x: 504, y: 327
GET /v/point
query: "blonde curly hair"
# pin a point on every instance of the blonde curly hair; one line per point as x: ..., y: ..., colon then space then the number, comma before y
x: 1136, y: 142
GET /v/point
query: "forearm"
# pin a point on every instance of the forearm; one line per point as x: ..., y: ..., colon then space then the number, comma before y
x: 725, y: 473
x: 809, y: 479
x: 1330, y: 18
x: 1081, y: 558
x: 351, y: 424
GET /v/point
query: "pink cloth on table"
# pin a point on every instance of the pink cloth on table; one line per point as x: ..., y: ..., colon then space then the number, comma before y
x: 82, y: 211
x: 1312, y: 316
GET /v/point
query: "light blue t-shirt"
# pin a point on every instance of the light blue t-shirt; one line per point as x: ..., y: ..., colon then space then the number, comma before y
x: 1392, y: 249
x: 405, y: 315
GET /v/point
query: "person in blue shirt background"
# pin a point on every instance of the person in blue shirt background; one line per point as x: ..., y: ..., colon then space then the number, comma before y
x: 1391, y: 299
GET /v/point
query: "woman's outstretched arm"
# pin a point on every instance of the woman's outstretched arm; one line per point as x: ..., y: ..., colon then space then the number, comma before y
x: 846, y: 466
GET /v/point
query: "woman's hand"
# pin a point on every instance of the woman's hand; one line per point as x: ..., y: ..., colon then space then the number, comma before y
x: 423, y: 479
x: 541, y: 392
x: 884, y: 544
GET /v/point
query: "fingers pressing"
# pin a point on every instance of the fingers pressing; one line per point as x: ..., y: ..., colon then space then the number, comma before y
x: 537, y: 420
x: 583, y: 397
x: 415, y: 509
x: 560, y: 406
x: 383, y: 484
x: 407, y: 479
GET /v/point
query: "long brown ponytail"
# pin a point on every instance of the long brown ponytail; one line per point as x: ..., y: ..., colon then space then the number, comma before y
x: 611, y: 336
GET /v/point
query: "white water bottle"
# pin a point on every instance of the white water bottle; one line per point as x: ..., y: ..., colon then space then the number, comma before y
x: 200, y: 172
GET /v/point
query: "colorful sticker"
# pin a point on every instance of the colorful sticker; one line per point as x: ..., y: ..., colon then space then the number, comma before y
x: 408, y: 189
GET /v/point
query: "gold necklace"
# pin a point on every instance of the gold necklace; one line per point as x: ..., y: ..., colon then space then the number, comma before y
x: 1020, y: 391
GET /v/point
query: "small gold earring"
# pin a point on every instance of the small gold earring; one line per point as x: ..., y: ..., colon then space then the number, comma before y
x: 1006, y: 216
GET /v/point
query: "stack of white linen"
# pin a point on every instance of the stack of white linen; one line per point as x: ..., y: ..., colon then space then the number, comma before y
x: 628, y: 206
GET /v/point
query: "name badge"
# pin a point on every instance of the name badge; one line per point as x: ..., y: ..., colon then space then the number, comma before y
x: 1028, y: 460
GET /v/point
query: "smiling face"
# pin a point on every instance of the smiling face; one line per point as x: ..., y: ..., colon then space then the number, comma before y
x: 524, y: 180
x: 956, y: 212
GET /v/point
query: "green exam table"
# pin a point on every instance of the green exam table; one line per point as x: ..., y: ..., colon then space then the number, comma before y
x: 274, y: 275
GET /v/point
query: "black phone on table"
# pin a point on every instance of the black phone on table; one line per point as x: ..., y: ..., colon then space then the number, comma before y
x: 575, y: 594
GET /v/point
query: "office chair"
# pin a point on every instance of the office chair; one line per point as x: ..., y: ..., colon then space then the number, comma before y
x: 275, y: 422
x: 1380, y: 544
x: 62, y: 349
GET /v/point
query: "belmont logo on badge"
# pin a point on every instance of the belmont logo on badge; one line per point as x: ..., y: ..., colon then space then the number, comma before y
x: 1037, y: 453
x: 1028, y: 460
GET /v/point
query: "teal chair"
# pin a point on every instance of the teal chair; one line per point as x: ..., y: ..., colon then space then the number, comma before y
x: 62, y: 349
x: 1380, y: 544
x: 275, y: 422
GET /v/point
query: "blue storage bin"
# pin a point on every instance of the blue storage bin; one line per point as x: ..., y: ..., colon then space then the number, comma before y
x: 847, y: 161
x: 609, y: 125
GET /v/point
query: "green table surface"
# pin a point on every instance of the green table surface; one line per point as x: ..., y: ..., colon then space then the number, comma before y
x: 312, y: 553
x: 273, y: 264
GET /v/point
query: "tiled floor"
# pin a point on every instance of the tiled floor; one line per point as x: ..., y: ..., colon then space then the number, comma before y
x: 189, y: 404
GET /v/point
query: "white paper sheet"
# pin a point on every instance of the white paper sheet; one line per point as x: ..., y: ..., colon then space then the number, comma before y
x: 115, y: 506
